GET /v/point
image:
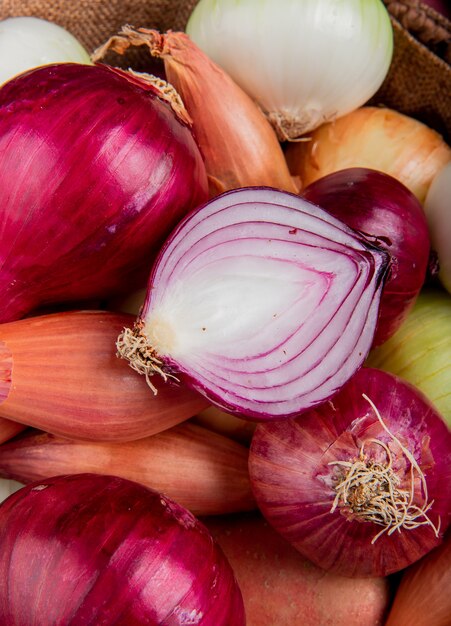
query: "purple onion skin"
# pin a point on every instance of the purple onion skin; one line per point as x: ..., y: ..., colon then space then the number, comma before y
x: 95, y: 172
x: 384, y: 210
x: 293, y: 483
x: 97, y: 550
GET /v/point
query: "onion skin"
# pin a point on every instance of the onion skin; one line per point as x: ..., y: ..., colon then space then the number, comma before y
x: 420, y: 351
x: 386, y: 211
x: 9, y: 429
x: 281, y: 587
x: 226, y: 424
x: 89, y: 549
x: 96, y: 171
x: 201, y: 470
x: 64, y: 378
x: 423, y: 595
x: 293, y: 483
x: 229, y: 127
x: 377, y: 138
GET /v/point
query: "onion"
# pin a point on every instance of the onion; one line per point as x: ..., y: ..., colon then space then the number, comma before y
x: 420, y: 351
x: 29, y: 42
x: 9, y: 429
x: 377, y: 138
x: 280, y: 587
x: 304, y: 63
x: 423, y: 595
x: 265, y: 302
x: 226, y: 424
x: 360, y: 485
x: 437, y: 207
x: 201, y: 470
x: 229, y: 128
x: 96, y: 170
x: 62, y: 376
x: 90, y: 549
x: 385, y: 210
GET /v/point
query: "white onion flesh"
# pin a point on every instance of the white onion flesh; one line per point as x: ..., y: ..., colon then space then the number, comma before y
x: 266, y: 302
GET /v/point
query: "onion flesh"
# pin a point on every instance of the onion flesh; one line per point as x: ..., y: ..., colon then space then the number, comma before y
x: 437, y: 207
x: 382, y: 208
x: 263, y: 301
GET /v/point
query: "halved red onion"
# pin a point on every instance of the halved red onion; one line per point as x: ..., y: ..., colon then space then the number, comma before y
x: 359, y: 485
x: 91, y: 549
x: 264, y: 302
x: 385, y: 210
x: 96, y: 170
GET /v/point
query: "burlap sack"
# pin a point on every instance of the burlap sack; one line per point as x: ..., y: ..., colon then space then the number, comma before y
x: 418, y: 84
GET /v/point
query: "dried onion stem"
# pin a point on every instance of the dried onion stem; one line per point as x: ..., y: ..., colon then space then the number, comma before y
x: 132, y: 345
x: 371, y: 489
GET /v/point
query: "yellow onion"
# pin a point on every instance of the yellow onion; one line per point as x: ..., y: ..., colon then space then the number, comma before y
x: 377, y: 138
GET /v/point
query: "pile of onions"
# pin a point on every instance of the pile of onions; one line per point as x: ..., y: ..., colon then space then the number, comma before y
x: 359, y: 485
x: 377, y: 138
x: 89, y: 549
x: 420, y: 351
x: 304, y: 63
x: 96, y: 171
x: 264, y: 302
x: 385, y: 211
x: 59, y: 373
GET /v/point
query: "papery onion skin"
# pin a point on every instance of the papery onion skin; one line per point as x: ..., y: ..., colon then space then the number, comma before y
x: 420, y: 351
x: 9, y: 429
x: 63, y: 376
x: 96, y: 171
x: 304, y: 63
x: 294, y: 484
x: 239, y: 146
x: 89, y: 549
x: 378, y: 138
x: 201, y: 470
x: 265, y: 303
x: 280, y: 587
x: 384, y: 210
x: 423, y: 595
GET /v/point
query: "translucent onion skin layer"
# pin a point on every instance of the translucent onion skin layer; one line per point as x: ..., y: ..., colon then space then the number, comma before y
x: 293, y: 483
x: 89, y: 549
x: 265, y: 302
x: 382, y: 208
x: 96, y: 171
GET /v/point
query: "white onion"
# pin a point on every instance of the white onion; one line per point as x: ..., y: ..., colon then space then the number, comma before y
x: 29, y: 42
x: 304, y: 61
x: 437, y: 207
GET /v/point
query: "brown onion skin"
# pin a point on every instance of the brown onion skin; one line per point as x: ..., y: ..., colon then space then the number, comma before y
x: 280, y: 587
x: 89, y: 550
x: 96, y: 171
x: 201, y: 470
x: 385, y: 211
x: 63, y: 376
x: 293, y: 481
x: 423, y: 596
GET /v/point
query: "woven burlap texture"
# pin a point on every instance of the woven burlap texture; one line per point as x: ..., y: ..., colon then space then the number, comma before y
x: 418, y: 84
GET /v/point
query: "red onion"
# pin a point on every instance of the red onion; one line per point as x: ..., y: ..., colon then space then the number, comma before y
x: 383, y: 209
x: 89, y: 549
x: 360, y: 485
x: 95, y: 171
x: 265, y: 302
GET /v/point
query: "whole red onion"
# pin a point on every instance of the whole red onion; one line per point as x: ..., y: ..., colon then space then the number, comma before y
x: 95, y: 170
x: 384, y: 210
x: 355, y: 494
x: 89, y: 549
